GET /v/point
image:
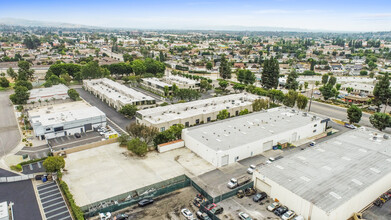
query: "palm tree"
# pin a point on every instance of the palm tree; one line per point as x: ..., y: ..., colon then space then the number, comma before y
x: 40, y: 101
x: 32, y: 102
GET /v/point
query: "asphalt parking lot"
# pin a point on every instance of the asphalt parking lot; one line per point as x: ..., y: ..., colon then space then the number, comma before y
x: 70, y: 141
x: 257, y: 211
x: 35, y: 152
x: 22, y: 195
x: 33, y: 168
x: 110, y: 112
x: 52, y: 202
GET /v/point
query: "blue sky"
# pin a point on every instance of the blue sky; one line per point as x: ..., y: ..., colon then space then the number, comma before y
x: 342, y: 15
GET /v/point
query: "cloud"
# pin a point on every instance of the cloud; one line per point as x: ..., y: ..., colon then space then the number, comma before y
x: 375, y: 15
x: 281, y: 11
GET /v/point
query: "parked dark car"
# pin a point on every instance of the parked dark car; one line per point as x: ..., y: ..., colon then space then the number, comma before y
x: 217, y: 210
x: 77, y: 135
x: 280, y: 210
x: 145, y: 202
x: 259, y: 196
x: 202, y: 216
x: 121, y: 217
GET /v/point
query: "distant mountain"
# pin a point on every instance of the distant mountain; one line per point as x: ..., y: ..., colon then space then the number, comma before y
x: 33, y: 23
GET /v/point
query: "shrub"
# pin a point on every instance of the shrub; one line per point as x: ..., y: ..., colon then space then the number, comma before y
x: 17, y: 168
x: 138, y: 147
x: 76, y: 211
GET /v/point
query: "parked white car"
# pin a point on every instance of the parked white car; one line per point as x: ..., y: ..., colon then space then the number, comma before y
x: 251, y: 169
x: 288, y: 215
x: 187, y: 214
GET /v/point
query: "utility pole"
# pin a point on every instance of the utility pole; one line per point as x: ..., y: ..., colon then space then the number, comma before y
x: 312, y: 92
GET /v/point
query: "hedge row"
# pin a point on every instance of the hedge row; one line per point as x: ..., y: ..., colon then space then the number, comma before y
x: 76, y: 211
x: 32, y: 161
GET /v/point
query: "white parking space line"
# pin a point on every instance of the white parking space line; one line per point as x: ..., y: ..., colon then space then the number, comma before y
x: 50, y: 196
x: 52, y: 216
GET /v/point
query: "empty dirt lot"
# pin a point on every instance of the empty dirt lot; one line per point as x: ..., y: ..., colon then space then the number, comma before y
x: 106, y: 171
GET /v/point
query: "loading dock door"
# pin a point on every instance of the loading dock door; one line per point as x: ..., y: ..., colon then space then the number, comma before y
x: 87, y: 127
x: 224, y: 160
x: 260, y: 185
x: 267, y: 146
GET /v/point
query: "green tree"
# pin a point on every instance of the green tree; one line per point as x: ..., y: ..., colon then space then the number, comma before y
x: 317, y: 83
x: 223, y: 84
x: 24, y: 72
x: 328, y: 91
x: 290, y: 98
x: 24, y: 83
x: 73, y: 94
x: 306, y: 85
x: 380, y: 121
x: 382, y: 92
x: 301, y: 101
x: 325, y: 79
x: 127, y: 57
x: 128, y: 110
x: 275, y: 95
x: 372, y: 65
x: 291, y: 82
x: 138, y: 147
x: 260, y: 104
x: 138, y: 67
x: 173, y: 133
x: 205, y: 85
x: 249, y: 77
x: 363, y: 73
x: 123, y: 140
x: 244, y: 112
x: 225, y: 69
x: 223, y: 114
x: 92, y: 70
x: 270, y: 73
x: 4, y: 82
x: 11, y: 73
x: 354, y: 114
x: 209, y: 65
x: 54, y: 164
x: 20, y: 96
x: 349, y: 89
x: 142, y: 132
x: 332, y: 80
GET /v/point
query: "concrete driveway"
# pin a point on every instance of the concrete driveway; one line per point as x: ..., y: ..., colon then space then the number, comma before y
x: 9, y: 131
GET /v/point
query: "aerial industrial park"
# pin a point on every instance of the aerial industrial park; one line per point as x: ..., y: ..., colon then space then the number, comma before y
x: 117, y: 122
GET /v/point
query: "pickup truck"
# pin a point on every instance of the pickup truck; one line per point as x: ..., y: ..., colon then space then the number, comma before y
x: 233, y: 183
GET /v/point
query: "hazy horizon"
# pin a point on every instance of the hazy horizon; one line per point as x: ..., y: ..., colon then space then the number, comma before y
x: 332, y: 15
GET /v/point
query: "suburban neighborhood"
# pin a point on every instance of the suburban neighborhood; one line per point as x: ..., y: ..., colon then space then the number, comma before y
x: 110, y: 123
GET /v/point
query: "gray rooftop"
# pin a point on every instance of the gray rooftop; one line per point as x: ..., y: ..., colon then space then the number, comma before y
x: 235, y: 132
x: 334, y: 171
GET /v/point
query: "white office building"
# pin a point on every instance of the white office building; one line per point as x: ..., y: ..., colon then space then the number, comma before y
x: 159, y: 85
x: 65, y: 119
x: 230, y: 140
x: 332, y: 180
x: 117, y: 95
x: 56, y: 92
x: 195, y: 112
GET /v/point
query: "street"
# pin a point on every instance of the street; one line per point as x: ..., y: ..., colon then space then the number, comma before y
x: 337, y: 112
x: 9, y: 131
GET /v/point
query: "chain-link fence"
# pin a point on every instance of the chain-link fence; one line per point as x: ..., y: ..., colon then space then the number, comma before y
x: 232, y: 192
x: 130, y: 198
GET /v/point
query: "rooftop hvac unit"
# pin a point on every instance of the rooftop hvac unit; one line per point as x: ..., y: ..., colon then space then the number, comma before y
x: 386, y: 136
x: 374, y: 138
x: 293, y: 110
x: 305, y: 114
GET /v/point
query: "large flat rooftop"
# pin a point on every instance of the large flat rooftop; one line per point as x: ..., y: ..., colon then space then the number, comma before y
x: 48, y: 93
x: 234, y: 132
x: 55, y: 118
x: 117, y: 91
x: 334, y: 171
x: 42, y: 110
x: 198, y: 107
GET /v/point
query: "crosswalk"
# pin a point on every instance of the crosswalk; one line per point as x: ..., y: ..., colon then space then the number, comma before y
x: 52, y: 202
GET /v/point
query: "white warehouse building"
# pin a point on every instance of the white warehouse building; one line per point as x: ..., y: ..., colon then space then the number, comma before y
x: 117, y: 95
x: 333, y: 179
x: 65, y: 119
x: 56, y: 92
x: 195, y: 112
x: 230, y: 140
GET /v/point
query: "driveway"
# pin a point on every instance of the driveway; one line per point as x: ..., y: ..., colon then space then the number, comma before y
x: 9, y: 131
x: 115, y: 118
